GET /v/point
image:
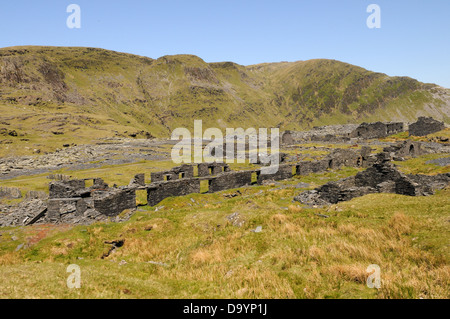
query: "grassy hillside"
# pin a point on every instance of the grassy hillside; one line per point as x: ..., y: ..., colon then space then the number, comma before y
x: 80, y: 94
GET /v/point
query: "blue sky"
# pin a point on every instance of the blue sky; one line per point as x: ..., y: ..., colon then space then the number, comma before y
x: 414, y: 38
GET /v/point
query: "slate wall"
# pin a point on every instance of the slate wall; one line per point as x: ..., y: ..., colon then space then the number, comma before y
x: 284, y: 172
x: 156, y: 192
x: 230, y: 180
x: 114, y: 201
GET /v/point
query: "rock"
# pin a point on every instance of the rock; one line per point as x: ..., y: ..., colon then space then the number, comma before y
x: 236, y: 219
x: 257, y: 230
x: 158, y: 263
x: 237, y: 193
x: 311, y: 198
x: 115, y: 244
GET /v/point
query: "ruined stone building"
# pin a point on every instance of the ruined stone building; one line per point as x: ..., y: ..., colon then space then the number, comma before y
x: 425, y: 126
x: 377, y: 130
x: 71, y: 201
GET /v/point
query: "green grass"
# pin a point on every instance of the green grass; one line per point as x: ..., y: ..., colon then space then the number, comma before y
x: 419, y: 166
x: 434, y: 137
x: 112, y: 174
x: 298, y: 254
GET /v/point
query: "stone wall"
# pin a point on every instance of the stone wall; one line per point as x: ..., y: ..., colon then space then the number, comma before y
x: 406, y: 148
x: 71, y: 197
x: 10, y: 192
x: 57, y: 207
x: 184, y: 171
x: 187, y: 171
x: 377, y: 130
x: 158, y: 191
x: 203, y: 169
x: 114, y: 201
x: 36, y: 195
x: 220, y: 178
x: 284, y: 172
x: 425, y: 126
x: 344, y: 157
x: 163, y: 176
x: 138, y: 180
x: 395, y: 127
x: 230, y: 180
x: 210, y: 169
x: 308, y: 167
x: 66, y: 189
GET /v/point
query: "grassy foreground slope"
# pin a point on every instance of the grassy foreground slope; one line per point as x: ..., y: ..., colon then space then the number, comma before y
x: 49, y: 94
x: 203, y: 246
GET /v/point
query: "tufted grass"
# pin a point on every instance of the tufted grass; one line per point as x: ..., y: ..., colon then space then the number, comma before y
x: 201, y: 254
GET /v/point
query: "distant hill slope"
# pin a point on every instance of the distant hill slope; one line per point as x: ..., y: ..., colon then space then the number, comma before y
x: 110, y: 91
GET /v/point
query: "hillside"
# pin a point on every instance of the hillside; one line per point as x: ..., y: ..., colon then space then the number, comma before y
x: 55, y: 95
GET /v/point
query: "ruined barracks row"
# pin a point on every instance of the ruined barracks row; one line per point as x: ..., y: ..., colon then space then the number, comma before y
x: 423, y: 126
x: 72, y: 196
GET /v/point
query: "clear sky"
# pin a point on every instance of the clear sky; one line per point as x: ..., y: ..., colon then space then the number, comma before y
x: 414, y: 38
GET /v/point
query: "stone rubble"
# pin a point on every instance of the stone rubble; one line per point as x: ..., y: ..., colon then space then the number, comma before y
x: 382, y: 177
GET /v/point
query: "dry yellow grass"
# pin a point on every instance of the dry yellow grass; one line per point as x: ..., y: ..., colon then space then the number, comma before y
x: 196, y: 252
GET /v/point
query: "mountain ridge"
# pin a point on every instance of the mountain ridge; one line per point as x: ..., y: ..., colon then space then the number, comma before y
x: 120, y: 92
